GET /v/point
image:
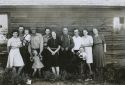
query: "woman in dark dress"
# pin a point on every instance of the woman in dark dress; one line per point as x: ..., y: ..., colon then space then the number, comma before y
x: 99, y: 48
x: 53, y: 46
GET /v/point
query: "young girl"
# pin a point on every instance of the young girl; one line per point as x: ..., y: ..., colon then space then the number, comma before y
x: 14, y: 58
x: 37, y: 64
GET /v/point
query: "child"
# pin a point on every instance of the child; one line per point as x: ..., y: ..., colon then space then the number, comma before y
x: 82, y: 55
x: 37, y: 64
x: 26, y: 37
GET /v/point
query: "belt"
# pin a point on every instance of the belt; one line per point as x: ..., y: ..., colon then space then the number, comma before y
x: 34, y: 48
x: 98, y: 44
x: 53, y: 48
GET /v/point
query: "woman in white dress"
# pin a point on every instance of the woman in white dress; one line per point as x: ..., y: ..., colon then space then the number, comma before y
x: 87, y: 42
x: 14, y: 57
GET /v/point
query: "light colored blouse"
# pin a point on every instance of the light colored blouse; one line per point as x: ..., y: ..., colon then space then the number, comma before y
x: 14, y: 42
x: 77, y: 42
x: 87, y: 40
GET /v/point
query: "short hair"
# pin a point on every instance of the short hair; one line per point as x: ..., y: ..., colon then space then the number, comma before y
x: 53, y: 31
x: 33, y: 28
x: 85, y: 29
x: 96, y: 28
x: 47, y: 28
x: 65, y: 28
x: 15, y: 31
x: 28, y: 29
x: 76, y: 29
x: 21, y: 26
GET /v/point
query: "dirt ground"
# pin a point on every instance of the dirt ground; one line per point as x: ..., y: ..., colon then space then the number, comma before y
x: 73, y: 83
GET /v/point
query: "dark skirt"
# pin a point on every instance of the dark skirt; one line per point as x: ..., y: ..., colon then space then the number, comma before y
x: 98, y: 55
x: 65, y: 57
x: 53, y: 60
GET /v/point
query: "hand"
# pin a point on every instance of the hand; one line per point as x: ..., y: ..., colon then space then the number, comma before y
x: 41, y: 58
x: 104, y: 51
x: 31, y: 58
x: 66, y: 48
x: 53, y: 53
x: 62, y: 49
x: 73, y: 51
x: 40, y: 54
x: 45, y: 44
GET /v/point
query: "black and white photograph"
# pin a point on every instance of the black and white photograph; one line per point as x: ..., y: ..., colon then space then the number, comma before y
x: 62, y: 42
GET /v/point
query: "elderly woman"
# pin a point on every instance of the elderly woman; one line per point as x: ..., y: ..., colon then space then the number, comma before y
x: 99, y: 47
x: 53, y: 46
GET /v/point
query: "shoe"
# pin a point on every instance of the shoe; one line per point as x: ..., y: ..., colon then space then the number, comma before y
x: 88, y: 79
x: 28, y: 82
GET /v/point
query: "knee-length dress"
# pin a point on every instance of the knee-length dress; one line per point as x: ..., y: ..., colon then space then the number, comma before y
x: 53, y: 45
x: 98, y: 50
x: 37, y: 63
x: 86, y: 40
x: 14, y: 57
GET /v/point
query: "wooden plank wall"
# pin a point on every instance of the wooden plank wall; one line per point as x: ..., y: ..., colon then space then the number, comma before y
x: 73, y: 17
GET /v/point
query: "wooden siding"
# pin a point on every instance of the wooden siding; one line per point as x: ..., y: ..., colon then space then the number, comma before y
x: 71, y: 17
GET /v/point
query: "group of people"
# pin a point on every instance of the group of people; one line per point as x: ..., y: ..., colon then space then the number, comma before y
x: 76, y: 55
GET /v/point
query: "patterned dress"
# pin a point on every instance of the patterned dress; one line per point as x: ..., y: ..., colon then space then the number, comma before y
x: 14, y: 57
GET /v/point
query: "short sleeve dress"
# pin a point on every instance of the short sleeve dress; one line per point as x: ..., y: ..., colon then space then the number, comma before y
x: 98, y: 50
x: 14, y: 57
x: 37, y: 63
x: 88, y: 49
x: 53, y: 45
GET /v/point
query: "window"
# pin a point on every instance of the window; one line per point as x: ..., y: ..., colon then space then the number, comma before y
x: 3, y: 23
x: 121, y: 20
x: 118, y: 23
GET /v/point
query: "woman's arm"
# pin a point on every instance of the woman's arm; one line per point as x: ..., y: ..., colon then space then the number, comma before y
x: 8, y: 49
x: 90, y: 42
x: 29, y: 49
x: 57, y: 49
x: 49, y: 49
x: 105, y: 48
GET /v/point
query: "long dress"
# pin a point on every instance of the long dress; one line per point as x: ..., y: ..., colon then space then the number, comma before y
x: 98, y: 50
x: 53, y: 45
x: 14, y: 57
x: 88, y: 49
